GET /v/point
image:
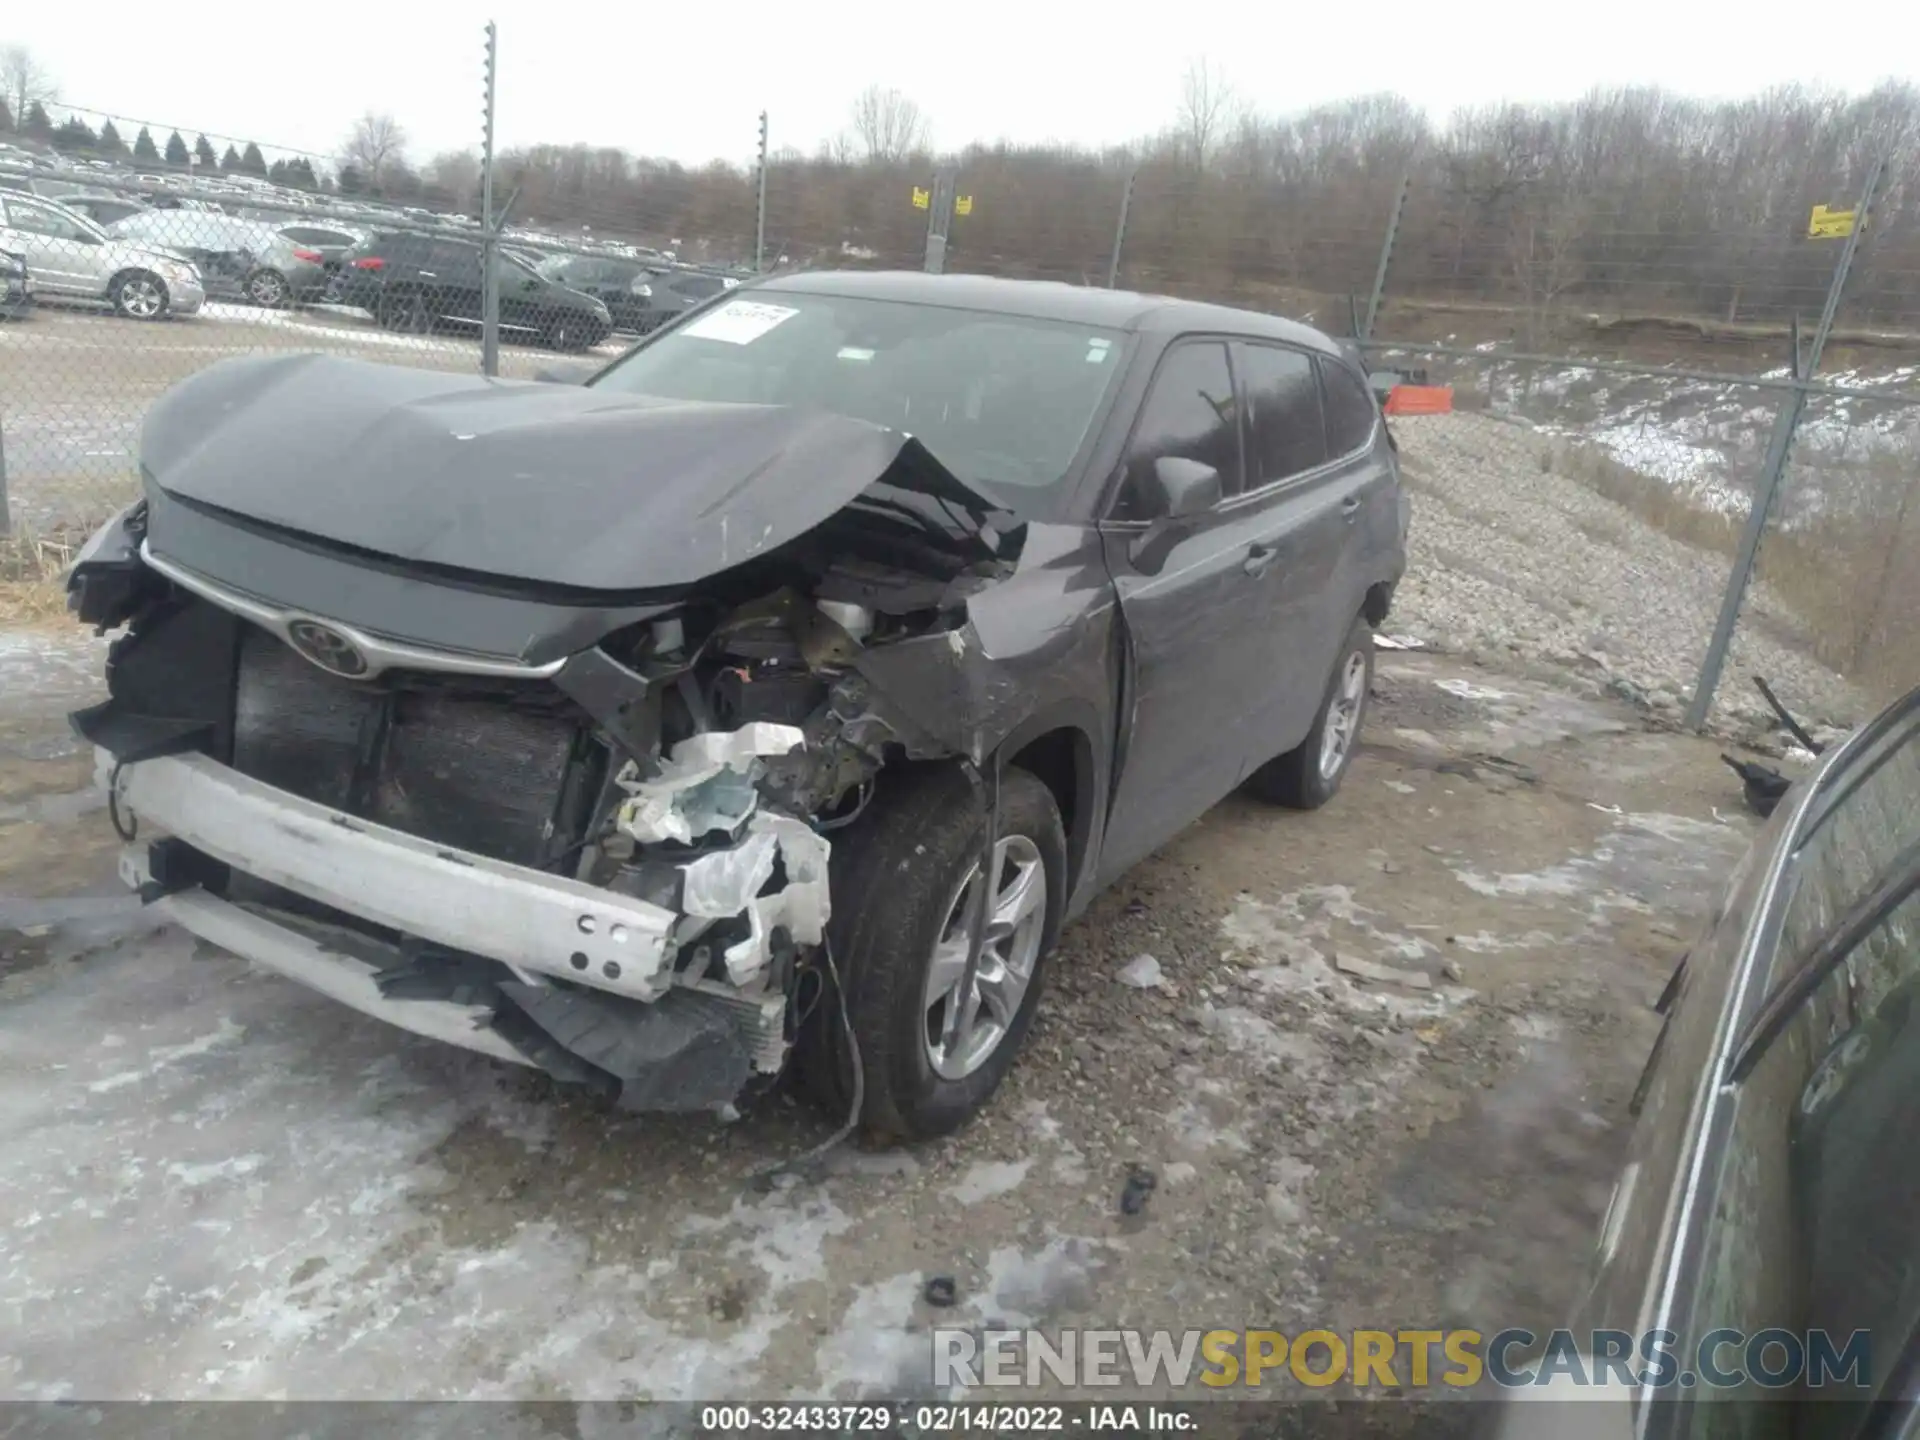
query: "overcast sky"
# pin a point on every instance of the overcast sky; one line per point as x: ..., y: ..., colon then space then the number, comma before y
x: 688, y: 83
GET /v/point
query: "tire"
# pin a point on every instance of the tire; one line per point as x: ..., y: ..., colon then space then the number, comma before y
x: 268, y: 289
x: 1309, y: 775
x: 138, y: 295
x: 898, y: 881
x: 566, y: 332
x: 404, y: 312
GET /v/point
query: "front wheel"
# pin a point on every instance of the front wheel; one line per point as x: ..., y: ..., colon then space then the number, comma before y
x: 564, y: 332
x: 935, y: 1044
x: 1307, y: 776
x: 138, y: 295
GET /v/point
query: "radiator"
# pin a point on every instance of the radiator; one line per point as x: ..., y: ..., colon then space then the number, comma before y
x: 470, y: 771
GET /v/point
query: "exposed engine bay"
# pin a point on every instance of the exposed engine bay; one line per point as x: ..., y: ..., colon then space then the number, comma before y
x: 694, y: 766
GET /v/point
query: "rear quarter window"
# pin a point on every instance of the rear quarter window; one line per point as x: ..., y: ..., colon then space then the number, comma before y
x: 1351, y: 410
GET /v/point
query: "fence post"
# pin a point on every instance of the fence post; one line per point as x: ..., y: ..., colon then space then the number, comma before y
x: 489, y: 235
x: 760, y: 205
x: 1773, y: 468
x: 1120, y: 232
x: 6, y: 523
x: 1386, y: 254
x: 939, y: 221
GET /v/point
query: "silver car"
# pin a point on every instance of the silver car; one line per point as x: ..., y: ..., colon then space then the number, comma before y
x: 71, y: 258
x: 242, y: 259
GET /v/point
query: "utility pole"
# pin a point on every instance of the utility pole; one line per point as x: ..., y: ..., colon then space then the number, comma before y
x: 760, y: 205
x: 490, y: 240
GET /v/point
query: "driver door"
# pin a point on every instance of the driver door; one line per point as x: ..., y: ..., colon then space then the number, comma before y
x: 62, y: 256
x: 1197, y: 606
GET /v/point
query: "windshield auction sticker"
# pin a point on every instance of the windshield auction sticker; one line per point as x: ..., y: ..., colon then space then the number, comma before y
x: 739, y: 322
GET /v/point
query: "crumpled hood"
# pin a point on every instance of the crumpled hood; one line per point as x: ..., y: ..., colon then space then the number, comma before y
x: 553, y: 484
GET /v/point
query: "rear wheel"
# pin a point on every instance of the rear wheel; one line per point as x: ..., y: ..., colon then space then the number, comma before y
x: 1306, y: 777
x: 138, y: 295
x: 934, y: 1043
x: 566, y: 332
x: 405, y: 311
x: 269, y: 288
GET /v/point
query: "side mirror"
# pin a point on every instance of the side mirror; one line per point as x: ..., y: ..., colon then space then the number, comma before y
x: 1177, y: 489
x: 1183, y: 487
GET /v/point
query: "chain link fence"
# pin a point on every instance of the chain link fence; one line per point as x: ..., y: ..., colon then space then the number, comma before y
x: 1635, y: 357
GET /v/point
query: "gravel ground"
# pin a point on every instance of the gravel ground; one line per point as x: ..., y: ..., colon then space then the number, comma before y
x: 1513, y: 562
x: 1381, y: 1080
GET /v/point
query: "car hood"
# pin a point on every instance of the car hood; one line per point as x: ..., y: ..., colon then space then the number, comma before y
x: 552, y: 484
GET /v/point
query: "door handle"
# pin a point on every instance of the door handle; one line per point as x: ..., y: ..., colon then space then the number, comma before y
x: 1259, y: 559
x: 1349, y: 508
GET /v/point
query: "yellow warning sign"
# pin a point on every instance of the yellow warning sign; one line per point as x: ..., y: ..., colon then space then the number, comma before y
x: 963, y: 205
x: 1825, y: 224
x: 921, y: 198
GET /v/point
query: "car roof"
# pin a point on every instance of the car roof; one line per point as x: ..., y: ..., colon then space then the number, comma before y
x: 1050, y: 300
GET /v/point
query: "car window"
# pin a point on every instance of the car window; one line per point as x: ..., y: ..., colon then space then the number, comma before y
x: 38, y: 219
x: 1809, y: 1220
x: 1283, y: 400
x: 454, y: 261
x: 1875, y: 814
x: 1351, y: 409
x: 1190, y: 413
x: 699, y: 287
x: 1003, y: 400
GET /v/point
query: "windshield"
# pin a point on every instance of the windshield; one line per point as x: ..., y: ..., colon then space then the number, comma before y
x: 1000, y: 399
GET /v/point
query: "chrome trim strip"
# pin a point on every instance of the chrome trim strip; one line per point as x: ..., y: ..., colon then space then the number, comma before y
x: 380, y: 654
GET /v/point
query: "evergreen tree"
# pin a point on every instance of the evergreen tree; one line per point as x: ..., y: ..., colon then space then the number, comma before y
x: 252, y: 161
x: 203, y: 153
x: 111, y: 145
x: 39, y: 124
x: 177, y: 152
x: 229, y: 161
x: 145, y: 152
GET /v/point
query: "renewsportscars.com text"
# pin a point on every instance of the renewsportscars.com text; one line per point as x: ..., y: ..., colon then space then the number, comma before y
x: 1410, y: 1359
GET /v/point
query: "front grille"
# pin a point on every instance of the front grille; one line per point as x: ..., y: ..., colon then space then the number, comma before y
x: 472, y: 771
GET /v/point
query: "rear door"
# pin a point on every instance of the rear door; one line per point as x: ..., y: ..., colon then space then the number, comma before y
x: 1195, y: 611
x: 1302, y: 534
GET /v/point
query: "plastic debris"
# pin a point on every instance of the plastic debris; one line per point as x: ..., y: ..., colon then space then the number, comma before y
x: 801, y: 907
x: 706, y: 783
x: 1382, y: 974
x: 1398, y: 642
x: 1133, y: 1195
x: 1142, y: 973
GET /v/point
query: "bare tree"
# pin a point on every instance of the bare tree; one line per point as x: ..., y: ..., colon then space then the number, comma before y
x: 1206, y: 109
x: 888, y: 124
x: 374, y: 146
x: 24, y: 82
x: 455, y: 173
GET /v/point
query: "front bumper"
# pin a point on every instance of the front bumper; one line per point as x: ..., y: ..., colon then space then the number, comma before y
x: 534, y: 922
x: 184, y: 297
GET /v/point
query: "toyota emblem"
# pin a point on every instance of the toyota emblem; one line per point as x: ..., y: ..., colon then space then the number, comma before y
x: 327, y: 648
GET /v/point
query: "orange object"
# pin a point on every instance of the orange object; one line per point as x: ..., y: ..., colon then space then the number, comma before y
x: 1420, y: 400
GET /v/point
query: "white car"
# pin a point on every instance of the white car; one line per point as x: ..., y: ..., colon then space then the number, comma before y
x: 71, y: 258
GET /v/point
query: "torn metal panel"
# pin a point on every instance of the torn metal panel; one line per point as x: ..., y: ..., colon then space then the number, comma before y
x: 706, y: 784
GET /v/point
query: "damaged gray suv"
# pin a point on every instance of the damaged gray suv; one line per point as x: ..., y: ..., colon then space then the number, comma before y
x: 766, y: 702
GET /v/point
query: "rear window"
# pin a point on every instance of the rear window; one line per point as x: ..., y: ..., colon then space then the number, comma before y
x: 1350, y: 409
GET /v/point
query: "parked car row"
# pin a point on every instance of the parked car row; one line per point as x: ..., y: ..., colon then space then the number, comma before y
x: 69, y: 257
x: 149, y: 263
